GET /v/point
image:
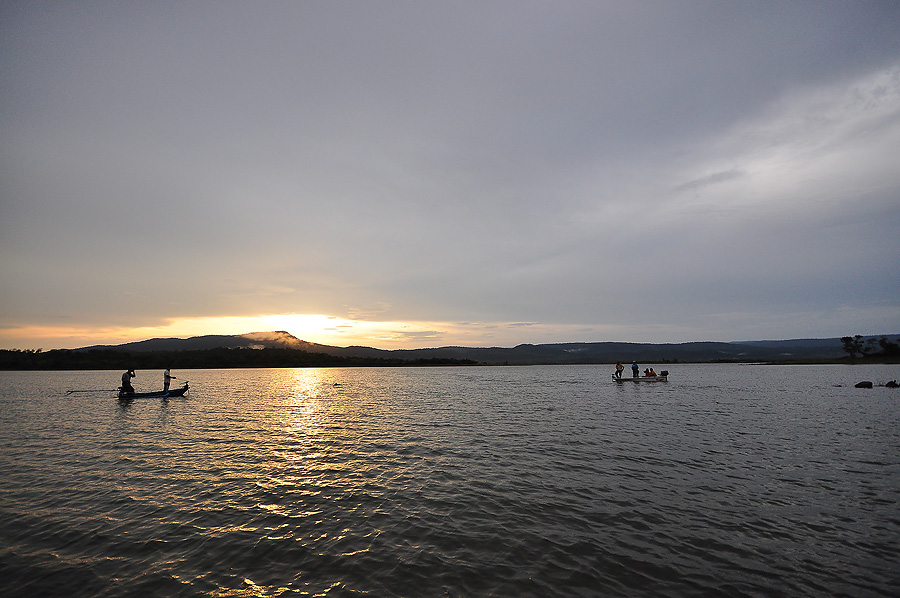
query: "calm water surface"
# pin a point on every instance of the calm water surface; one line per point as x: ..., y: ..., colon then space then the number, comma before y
x: 497, y: 481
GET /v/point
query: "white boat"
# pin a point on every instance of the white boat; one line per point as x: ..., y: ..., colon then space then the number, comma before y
x: 663, y: 376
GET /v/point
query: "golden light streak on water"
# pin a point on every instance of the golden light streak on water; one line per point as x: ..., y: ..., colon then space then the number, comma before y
x: 476, y: 481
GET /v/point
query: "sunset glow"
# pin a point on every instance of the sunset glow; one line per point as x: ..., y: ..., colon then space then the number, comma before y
x: 314, y: 328
x: 344, y: 332
x: 587, y: 171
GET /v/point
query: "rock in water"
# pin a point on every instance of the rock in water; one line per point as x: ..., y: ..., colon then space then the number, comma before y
x: 863, y: 384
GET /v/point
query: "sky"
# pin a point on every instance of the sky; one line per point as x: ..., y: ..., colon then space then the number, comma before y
x: 421, y: 174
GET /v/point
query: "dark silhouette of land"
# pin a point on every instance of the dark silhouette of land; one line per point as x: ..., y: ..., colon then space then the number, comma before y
x: 281, y: 349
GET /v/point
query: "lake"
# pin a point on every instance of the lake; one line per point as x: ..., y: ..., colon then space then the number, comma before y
x: 737, y: 480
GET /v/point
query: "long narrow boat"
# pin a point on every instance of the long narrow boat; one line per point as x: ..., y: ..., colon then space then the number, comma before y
x: 663, y: 376
x: 159, y: 394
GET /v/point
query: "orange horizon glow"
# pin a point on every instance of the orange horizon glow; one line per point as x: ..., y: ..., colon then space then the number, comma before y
x: 313, y: 328
x: 342, y: 332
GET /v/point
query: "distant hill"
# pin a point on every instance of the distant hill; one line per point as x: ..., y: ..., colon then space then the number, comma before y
x: 253, y: 340
x: 610, y: 352
x: 255, y: 350
x: 281, y: 349
x: 555, y: 353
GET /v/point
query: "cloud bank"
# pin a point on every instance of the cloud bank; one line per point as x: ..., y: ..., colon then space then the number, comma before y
x: 602, y: 171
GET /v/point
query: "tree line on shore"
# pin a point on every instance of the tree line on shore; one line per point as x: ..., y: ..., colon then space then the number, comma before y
x: 104, y: 359
x: 853, y: 348
x: 869, y: 348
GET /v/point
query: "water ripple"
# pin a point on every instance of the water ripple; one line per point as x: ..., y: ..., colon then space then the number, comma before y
x: 453, y: 482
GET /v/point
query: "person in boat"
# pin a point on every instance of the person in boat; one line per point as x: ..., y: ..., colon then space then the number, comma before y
x: 126, y: 381
x: 652, y: 372
x: 646, y: 372
x: 635, y: 369
x: 619, y: 369
x: 167, y: 379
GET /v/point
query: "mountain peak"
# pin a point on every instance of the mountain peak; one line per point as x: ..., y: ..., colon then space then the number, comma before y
x: 253, y: 340
x: 279, y: 338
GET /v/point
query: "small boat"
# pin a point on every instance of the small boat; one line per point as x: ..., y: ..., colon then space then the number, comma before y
x: 663, y: 376
x: 159, y: 394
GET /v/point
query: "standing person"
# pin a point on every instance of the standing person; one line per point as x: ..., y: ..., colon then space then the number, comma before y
x: 635, y: 369
x: 619, y: 369
x: 126, y: 381
x: 167, y: 379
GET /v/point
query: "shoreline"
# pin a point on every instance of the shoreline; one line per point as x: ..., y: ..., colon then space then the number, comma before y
x: 156, y: 364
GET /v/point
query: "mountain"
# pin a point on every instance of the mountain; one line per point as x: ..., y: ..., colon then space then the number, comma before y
x: 557, y: 353
x: 253, y: 340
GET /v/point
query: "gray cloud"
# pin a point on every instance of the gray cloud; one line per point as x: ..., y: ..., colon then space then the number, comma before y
x: 662, y: 165
x: 712, y: 179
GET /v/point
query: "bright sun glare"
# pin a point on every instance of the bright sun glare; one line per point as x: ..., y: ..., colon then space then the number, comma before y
x: 314, y: 328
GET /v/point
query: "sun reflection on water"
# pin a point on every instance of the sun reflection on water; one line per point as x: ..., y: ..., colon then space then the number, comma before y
x: 312, y: 415
x: 303, y: 400
x: 322, y: 486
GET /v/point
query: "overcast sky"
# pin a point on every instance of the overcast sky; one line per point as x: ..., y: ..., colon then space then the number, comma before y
x: 433, y: 173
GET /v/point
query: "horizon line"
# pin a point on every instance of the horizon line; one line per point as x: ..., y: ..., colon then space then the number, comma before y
x: 422, y: 348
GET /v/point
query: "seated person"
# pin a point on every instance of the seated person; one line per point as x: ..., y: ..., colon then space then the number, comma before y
x: 126, y: 381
